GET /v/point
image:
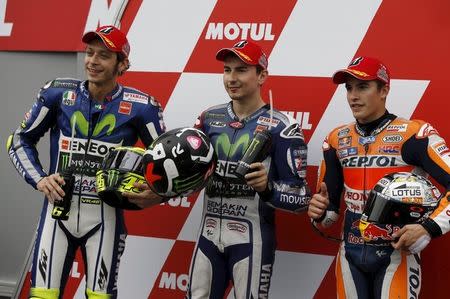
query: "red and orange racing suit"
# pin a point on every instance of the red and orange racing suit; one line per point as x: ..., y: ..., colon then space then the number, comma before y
x: 355, y: 158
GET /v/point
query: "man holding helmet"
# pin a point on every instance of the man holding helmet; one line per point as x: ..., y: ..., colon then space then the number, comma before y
x: 86, y: 119
x: 397, y: 199
x: 356, y: 157
x: 237, y: 235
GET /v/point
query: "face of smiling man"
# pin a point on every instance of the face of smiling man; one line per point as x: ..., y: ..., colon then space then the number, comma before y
x: 366, y: 99
x: 102, y: 65
x: 242, y: 81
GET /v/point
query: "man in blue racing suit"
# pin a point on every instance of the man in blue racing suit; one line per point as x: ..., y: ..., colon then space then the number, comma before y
x: 86, y: 120
x: 237, y: 234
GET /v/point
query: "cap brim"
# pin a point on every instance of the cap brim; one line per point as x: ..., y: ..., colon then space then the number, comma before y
x: 341, y: 76
x: 225, y: 51
x: 88, y: 36
x: 91, y: 35
x: 222, y: 53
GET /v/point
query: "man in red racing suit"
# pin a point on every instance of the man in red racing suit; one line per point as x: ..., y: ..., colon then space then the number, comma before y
x: 356, y: 156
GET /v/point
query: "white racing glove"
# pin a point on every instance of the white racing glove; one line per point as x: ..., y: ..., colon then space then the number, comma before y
x: 420, y: 244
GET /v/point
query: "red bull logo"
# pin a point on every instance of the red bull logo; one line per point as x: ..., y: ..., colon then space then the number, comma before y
x: 372, y: 232
x: 355, y: 225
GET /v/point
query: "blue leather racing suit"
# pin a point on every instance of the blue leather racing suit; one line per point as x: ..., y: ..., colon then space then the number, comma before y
x: 82, y: 132
x: 237, y: 234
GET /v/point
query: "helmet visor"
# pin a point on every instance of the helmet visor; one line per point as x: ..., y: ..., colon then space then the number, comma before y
x: 124, y: 161
x: 384, y: 210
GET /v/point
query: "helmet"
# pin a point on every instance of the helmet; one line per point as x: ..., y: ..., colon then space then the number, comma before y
x: 120, y: 169
x: 179, y: 162
x: 398, y: 198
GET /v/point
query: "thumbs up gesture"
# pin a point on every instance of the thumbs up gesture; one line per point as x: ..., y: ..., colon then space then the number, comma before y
x: 319, y: 202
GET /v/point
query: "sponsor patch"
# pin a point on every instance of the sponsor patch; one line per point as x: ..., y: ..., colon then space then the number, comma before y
x: 262, y: 120
x: 345, y: 141
x: 62, y: 84
x: 236, y: 125
x: 342, y: 153
x: 68, y: 98
x: 292, y: 131
x: 91, y: 201
x: 125, y: 107
x: 441, y: 149
x: 217, y: 124
x: 366, y: 140
x: 214, y: 115
x: 211, y: 223
x: 236, y: 226
x: 65, y: 143
x: 389, y: 149
x: 351, y: 151
x: 397, y: 128
x: 343, y: 132
x: 134, y: 97
x: 260, y: 128
x: 370, y: 161
x: 392, y: 138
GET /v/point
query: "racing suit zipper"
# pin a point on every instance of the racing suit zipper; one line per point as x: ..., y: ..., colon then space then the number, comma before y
x: 366, y: 149
x: 91, y: 127
x: 220, y: 245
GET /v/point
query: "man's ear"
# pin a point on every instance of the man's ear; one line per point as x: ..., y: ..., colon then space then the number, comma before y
x: 385, y: 91
x: 124, y: 66
x: 263, y: 77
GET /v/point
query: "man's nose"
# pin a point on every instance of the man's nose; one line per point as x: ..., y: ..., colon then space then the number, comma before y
x: 93, y: 58
x: 352, y: 95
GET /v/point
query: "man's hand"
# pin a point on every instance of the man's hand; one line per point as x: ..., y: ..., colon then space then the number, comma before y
x: 258, y: 177
x: 51, y: 187
x: 144, y: 199
x: 413, y: 238
x: 319, y: 202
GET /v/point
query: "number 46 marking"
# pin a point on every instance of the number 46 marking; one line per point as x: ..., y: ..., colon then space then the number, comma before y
x: 5, y: 28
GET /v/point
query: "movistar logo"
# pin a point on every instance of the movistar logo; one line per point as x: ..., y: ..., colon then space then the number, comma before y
x: 223, y: 144
x: 109, y: 120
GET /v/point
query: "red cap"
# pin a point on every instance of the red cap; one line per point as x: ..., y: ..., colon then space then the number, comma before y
x: 114, y: 39
x: 364, y: 68
x: 247, y: 51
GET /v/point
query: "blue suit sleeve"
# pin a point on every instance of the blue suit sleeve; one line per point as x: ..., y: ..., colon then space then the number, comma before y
x: 288, y: 189
x: 22, y: 143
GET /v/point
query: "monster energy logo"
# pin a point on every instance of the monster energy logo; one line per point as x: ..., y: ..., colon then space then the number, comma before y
x: 188, y: 183
x: 64, y: 161
x: 223, y: 143
x: 113, y: 177
x: 109, y: 120
x: 253, y: 145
